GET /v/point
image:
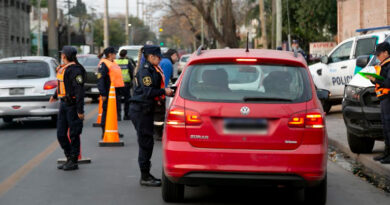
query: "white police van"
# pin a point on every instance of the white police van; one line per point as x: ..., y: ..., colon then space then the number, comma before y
x: 337, y: 69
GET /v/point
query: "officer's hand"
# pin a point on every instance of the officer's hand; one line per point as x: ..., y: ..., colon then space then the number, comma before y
x: 52, y: 100
x: 104, y: 98
x: 168, y: 92
x: 81, y: 116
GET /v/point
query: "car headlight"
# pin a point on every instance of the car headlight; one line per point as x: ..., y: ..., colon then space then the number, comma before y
x: 352, y: 93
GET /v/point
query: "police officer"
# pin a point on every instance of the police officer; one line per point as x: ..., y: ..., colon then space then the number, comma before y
x: 149, y: 93
x: 70, y: 90
x: 382, y: 89
x: 109, y: 73
x: 127, y: 66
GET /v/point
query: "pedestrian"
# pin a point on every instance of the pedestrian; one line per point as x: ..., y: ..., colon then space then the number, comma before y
x: 167, y: 62
x: 148, y: 93
x: 296, y: 48
x: 382, y: 89
x: 127, y: 74
x: 109, y: 73
x: 71, y: 76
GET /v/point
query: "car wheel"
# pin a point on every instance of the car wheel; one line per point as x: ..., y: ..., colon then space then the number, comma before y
x: 327, y: 106
x: 317, y: 194
x: 360, y: 144
x: 8, y: 119
x: 171, y: 192
x: 53, y: 120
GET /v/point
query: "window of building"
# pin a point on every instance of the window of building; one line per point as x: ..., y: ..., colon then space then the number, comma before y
x: 12, y: 2
x: 23, y: 40
x: 23, y: 6
x: 28, y: 8
x: 28, y: 41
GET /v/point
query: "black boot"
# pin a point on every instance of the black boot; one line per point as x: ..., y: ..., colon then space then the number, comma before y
x: 383, y: 155
x: 72, y: 165
x: 149, y: 180
x: 61, y: 166
x: 121, y: 135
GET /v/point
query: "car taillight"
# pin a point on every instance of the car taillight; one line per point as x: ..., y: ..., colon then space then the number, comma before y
x: 178, y: 116
x: 50, y: 85
x: 307, y: 120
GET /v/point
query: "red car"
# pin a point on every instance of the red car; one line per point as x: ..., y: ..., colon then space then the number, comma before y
x: 245, y: 118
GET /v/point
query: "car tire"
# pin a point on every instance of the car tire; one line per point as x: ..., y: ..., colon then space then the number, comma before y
x: 316, y: 194
x: 8, y: 119
x: 327, y: 106
x: 171, y: 192
x: 360, y: 144
x: 53, y: 120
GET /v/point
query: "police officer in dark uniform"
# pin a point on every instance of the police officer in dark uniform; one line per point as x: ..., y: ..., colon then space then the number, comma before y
x: 148, y: 93
x: 382, y: 90
x: 71, y: 76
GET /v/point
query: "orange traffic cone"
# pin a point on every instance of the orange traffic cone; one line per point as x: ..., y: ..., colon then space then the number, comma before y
x: 111, y: 134
x: 99, y: 118
x: 80, y: 160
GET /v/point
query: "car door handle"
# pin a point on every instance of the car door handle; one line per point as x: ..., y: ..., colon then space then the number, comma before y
x: 344, y: 67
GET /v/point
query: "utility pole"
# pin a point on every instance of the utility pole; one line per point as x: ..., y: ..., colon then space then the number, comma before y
x: 278, y: 23
x: 127, y: 22
x: 273, y: 24
x: 68, y: 27
x: 53, y: 33
x: 39, y: 37
x: 263, y: 25
x: 106, y: 31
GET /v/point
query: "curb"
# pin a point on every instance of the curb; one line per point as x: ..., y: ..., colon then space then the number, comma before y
x: 364, y: 159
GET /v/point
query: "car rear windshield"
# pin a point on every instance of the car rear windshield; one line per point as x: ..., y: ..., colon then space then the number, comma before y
x: 24, y: 70
x: 246, y: 83
x: 89, y: 61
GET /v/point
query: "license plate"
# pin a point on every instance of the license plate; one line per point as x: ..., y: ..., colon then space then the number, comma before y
x: 94, y: 90
x: 16, y: 91
x: 245, y: 125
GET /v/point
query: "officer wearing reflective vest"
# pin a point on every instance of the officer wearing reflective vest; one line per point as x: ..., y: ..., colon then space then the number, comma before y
x: 149, y: 92
x: 70, y: 91
x: 382, y: 89
x: 109, y: 73
x: 127, y: 66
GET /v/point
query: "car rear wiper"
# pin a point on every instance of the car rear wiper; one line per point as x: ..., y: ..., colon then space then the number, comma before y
x: 246, y: 99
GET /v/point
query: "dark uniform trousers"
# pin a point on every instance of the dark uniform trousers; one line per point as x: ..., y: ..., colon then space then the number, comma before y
x: 385, y: 115
x: 125, y: 92
x: 69, y: 124
x: 142, y: 118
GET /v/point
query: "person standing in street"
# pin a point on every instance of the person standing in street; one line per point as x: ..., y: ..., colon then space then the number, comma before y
x: 149, y: 92
x: 167, y: 62
x: 70, y: 91
x: 109, y: 73
x: 296, y: 48
x: 127, y: 74
x: 382, y: 89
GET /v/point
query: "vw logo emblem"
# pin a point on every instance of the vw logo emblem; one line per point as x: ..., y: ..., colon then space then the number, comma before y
x: 245, y: 110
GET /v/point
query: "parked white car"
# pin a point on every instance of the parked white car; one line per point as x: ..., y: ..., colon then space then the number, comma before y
x: 26, y: 85
x: 132, y: 51
x: 182, y: 62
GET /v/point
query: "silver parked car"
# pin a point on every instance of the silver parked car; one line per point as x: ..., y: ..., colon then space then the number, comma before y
x: 26, y: 85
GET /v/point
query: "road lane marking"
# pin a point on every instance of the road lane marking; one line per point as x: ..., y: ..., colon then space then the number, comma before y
x: 18, y: 175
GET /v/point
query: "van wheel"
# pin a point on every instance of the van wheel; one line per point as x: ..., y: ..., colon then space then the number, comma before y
x: 317, y: 194
x: 360, y: 144
x: 326, y: 106
x: 171, y: 192
x: 8, y: 119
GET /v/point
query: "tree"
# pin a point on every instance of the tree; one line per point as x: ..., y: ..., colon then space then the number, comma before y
x: 35, y: 3
x: 80, y: 11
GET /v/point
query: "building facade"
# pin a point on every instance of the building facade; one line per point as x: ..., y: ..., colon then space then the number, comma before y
x: 15, y: 28
x: 356, y: 14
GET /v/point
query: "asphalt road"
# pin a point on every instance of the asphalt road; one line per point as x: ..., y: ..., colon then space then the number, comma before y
x: 28, y: 173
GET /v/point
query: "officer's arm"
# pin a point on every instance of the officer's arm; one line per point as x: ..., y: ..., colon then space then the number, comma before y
x: 101, y: 77
x: 78, y: 79
x: 149, y: 92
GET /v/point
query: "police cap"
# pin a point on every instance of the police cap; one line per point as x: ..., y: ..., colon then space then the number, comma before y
x: 109, y: 50
x: 69, y: 51
x: 385, y: 46
x: 152, y: 50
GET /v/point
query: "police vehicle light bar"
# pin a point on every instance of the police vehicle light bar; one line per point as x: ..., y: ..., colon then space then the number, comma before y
x: 372, y: 29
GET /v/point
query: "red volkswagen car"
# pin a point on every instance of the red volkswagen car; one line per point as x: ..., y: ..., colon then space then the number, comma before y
x: 245, y: 118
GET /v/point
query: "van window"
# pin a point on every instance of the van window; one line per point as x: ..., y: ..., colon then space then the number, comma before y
x: 342, y: 53
x: 24, y: 70
x: 365, y: 46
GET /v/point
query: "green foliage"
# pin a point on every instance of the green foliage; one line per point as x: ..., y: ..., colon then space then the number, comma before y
x: 35, y: 3
x: 79, y: 10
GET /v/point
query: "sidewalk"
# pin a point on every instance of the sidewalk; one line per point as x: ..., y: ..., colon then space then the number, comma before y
x: 337, y: 135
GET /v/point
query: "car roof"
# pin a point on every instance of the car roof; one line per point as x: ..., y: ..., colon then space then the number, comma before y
x: 384, y: 33
x: 86, y: 55
x: 131, y: 47
x: 28, y: 58
x: 263, y: 56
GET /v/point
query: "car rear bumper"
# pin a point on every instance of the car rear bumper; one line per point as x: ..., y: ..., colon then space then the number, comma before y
x: 28, y: 109
x: 91, y: 90
x: 308, y: 162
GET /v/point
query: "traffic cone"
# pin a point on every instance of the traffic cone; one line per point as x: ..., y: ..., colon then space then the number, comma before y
x: 80, y: 160
x: 99, y: 118
x: 111, y: 134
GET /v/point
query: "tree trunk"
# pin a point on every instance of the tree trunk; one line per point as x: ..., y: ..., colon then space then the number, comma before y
x: 264, y: 41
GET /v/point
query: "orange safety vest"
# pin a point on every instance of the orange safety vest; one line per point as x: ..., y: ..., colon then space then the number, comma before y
x: 378, y: 90
x: 162, y: 84
x: 61, y: 91
x: 115, y: 73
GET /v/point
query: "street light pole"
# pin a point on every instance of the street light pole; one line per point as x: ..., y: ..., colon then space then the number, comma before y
x: 127, y: 22
x: 106, y: 31
x: 39, y: 38
x: 53, y: 33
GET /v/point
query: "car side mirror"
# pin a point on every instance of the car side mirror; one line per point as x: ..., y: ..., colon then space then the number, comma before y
x: 323, y: 95
x: 325, y: 59
x: 362, y: 61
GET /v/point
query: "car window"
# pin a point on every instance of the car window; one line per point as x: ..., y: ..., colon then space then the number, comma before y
x: 24, y: 70
x: 365, y: 46
x: 184, y: 59
x: 90, y: 61
x: 235, y: 83
x: 342, y: 53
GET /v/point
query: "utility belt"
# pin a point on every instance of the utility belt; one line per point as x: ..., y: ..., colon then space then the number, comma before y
x: 68, y: 100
